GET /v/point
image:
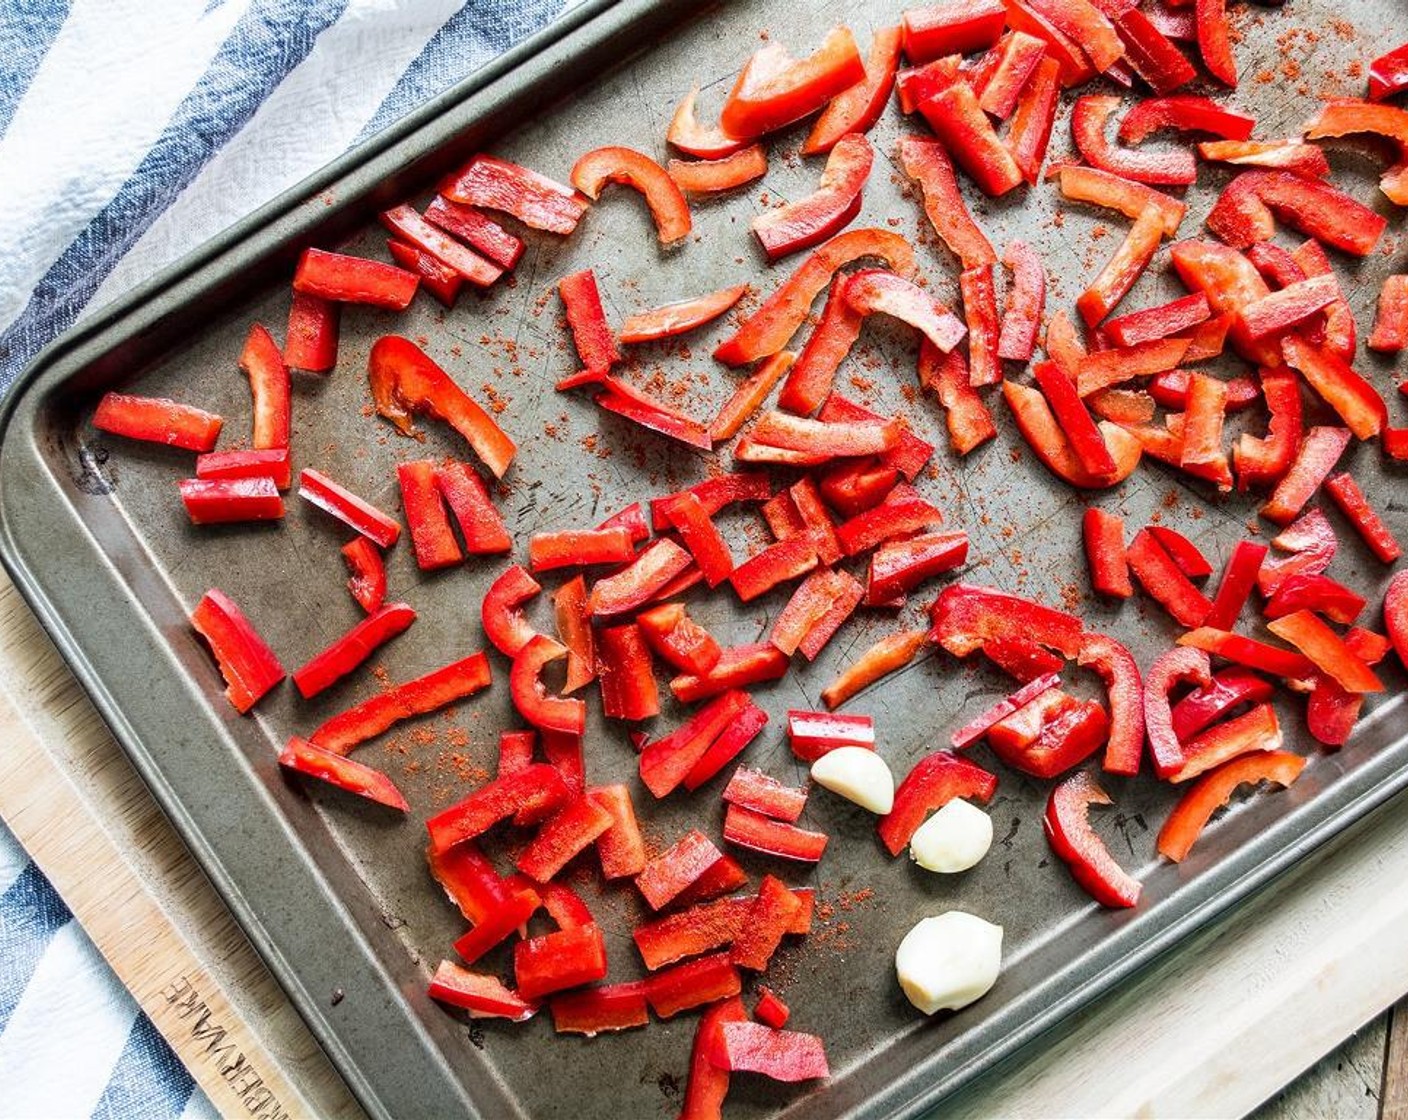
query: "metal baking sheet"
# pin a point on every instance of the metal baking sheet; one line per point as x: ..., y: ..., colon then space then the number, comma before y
x: 335, y: 894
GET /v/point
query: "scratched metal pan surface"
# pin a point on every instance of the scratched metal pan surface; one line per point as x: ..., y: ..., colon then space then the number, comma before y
x: 334, y: 893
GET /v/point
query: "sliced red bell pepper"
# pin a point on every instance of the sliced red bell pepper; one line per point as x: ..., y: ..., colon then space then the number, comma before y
x: 898, y: 567
x: 623, y: 400
x: 345, y: 773
x: 1044, y: 435
x: 693, y: 984
x: 834, y: 205
x: 708, y: 1084
x: 737, y: 667
x: 687, y: 933
x: 269, y: 384
x: 1068, y: 830
x: 1026, y: 300
x: 902, y: 513
x: 813, y: 734
x: 770, y: 1010
x: 435, y: 690
x: 728, y: 746
x: 969, y: 422
x: 705, y: 141
x: 910, y: 454
x: 965, y: 131
x: 405, y: 381
x: 1089, y: 117
x: 569, y: 831
x: 932, y: 783
x: 1123, y: 269
x: 780, y: 1055
x: 500, y: 613
x: 758, y: 833
x: 519, y: 903
x: 1215, y: 41
x: 857, y: 485
x: 770, y: 917
x: 368, y: 580
x: 1326, y: 650
x: 779, y: 563
x: 1214, y: 790
x: 353, y: 648
x: 344, y: 279
x: 1159, y: 322
x: 477, y: 229
x: 1029, y: 134
x: 856, y: 109
x: 955, y: 27
x: 1238, y: 579
x: 1344, y: 118
x: 1184, y: 114
x: 354, y: 512
x: 716, y: 493
x: 1355, y: 400
x: 310, y: 342
x: 1013, y: 61
x: 750, y: 395
x: 678, y: 638
x: 1122, y: 406
x: 1278, y: 312
x: 979, y: 726
x: 611, y: 1007
x: 562, y: 750
x: 628, y: 688
x: 918, y: 83
x: 620, y: 848
x: 709, y: 176
x: 1263, y: 461
x: 1209, y: 703
x: 537, y: 788
x: 1396, y: 614
x: 679, y: 317
x: 555, y: 961
x: 773, y: 89
x: 534, y: 199
x: 1355, y: 506
x: 888, y: 654
x: 876, y: 291
x: 1190, y: 560
x: 1181, y: 665
x: 665, y: 763
x: 1319, y: 451
x: 1022, y: 658
x: 928, y: 164
x: 1311, y: 540
x: 821, y: 603
x: 469, y: 880
x: 1284, y: 663
x: 1248, y: 208
x: 157, y: 420
x: 1388, y: 74
x: 772, y: 326
x: 1053, y: 733
x: 593, y: 339
x: 1165, y: 582
x: 668, y: 207
x: 1102, y: 188
x: 530, y: 695
x: 762, y: 793
x: 1318, y: 593
x: 1103, y: 533
x: 1085, y: 438
x: 687, y: 515
x: 980, y: 312
x: 223, y: 501
x: 1254, y: 731
x: 1390, y: 333
x: 248, y: 665
x: 806, y: 500
x: 639, y: 581
x: 1169, y: 388
x: 966, y: 616
x: 272, y: 463
x: 1277, y: 155
x: 1150, y: 53
x: 664, y: 877
x: 480, y: 523
x: 484, y: 997
x: 568, y: 548
x: 434, y: 540
x: 1073, y: 66
x: 405, y: 223
x: 1120, y: 673
x: 811, y: 378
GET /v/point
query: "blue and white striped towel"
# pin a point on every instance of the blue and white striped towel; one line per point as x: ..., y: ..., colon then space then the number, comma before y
x: 130, y: 132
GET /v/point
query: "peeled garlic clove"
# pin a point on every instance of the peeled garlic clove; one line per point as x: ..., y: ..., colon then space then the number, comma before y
x: 858, y: 775
x: 953, y: 839
x: 948, y: 961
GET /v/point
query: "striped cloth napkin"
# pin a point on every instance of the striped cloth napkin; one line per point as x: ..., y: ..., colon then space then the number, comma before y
x: 130, y: 132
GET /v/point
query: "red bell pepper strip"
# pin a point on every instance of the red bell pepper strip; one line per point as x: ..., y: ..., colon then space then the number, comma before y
x: 762, y: 793
x: 902, y: 513
x: 1066, y: 735
x: 890, y: 653
x: 1184, y: 114
x: 813, y: 734
x: 1191, y: 562
x: 631, y: 518
x: 352, y: 649
x: 628, y: 688
x: 1103, y: 533
x: 1388, y: 74
x: 530, y: 695
x: 434, y: 540
x: 1391, y: 319
x: 1323, y: 647
x: 1159, y: 322
x: 464, y: 262
x: 567, y: 548
x: 708, y: 1084
x: 1013, y: 61
x: 519, y: 903
x: 966, y: 616
x: 620, y: 848
x: 664, y: 877
x: 1215, y: 41
x: 1183, y: 664
x: 771, y: 916
x: 1214, y: 790
x: 979, y: 726
x: 1283, y: 663
x: 311, y: 340
x: 429, y: 693
x: 1123, y: 406
x: 500, y: 613
x: 918, y: 83
x: 750, y: 395
x: 693, y: 984
x: 873, y: 291
x: 1319, y: 593
x: 611, y: 1007
x: 635, y: 584
x: 773, y: 90
x: 582, y: 301
x: 980, y: 312
x: 1073, y: 66
x: 1022, y: 658
x: 1355, y: 506
x: 932, y: 783
x: 1169, y: 388
x: 272, y: 463
x: 469, y: 880
x: 835, y: 203
x: 623, y: 400
x: 534, y: 199
x: 757, y: 833
x: 368, y: 580
x: 688, y: 135
x: 1085, y: 25
x: 857, y: 485
x: 1165, y: 582
x: 910, y: 454
x: 772, y: 326
x: 807, y: 501
x: 269, y: 384
x: 211, y: 502
x: 821, y: 603
x: 1248, y: 208
x: 406, y: 381
x: 737, y: 666
x: 1396, y: 614
x: 780, y: 1055
x: 1338, y: 385
x: 1029, y: 134
x: 716, y: 493
x: 686, y: 513
x: 537, y: 788
x: 1344, y: 118
x: 1263, y: 461
x: 1319, y: 451
x: 157, y: 420
x: 484, y: 997
x: 345, y: 773
x: 856, y: 109
x: 1123, y: 269
x: 1209, y: 703
x: 1085, y: 438
x: 1238, y: 579
x: 569, y: 831
x: 679, y: 639
x: 1254, y: 731
x: 1120, y: 674
x: 710, y: 176
x: 710, y: 925
x: 248, y: 665
x: 1102, y: 188
x: 354, y: 512
x: 770, y: 1010
x: 1088, y: 120
x: 344, y: 279
x: 956, y: 27
x: 1277, y: 155
x: 1026, y: 300
x: 477, y: 229
x: 666, y: 762
x: 1278, y: 312
x: 900, y: 566
x: 679, y: 317
x: 778, y: 563
x: 969, y: 422
x: 1150, y: 53
x: 928, y: 164
x: 727, y: 746
x: 1340, y: 331
x: 964, y: 129
x: 1067, y: 827
x: 1041, y: 431
x: 566, y: 958
x: 668, y: 207
x: 480, y: 523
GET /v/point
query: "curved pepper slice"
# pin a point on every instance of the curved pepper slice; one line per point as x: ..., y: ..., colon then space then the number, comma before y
x: 1388, y: 74
x: 835, y: 203
x: 1120, y: 672
x: 310, y: 342
x: 1123, y: 269
x: 534, y: 199
x: 248, y: 665
x: 536, y: 792
x: 965, y: 413
x: 1252, y: 731
x: 1287, y: 664
x: 1088, y: 120
x: 708, y: 1084
x: 1041, y: 431
x: 1344, y: 118
x: 518, y: 903
x: 927, y: 163
x: 705, y: 142
x: 1248, y: 208
x: 1207, y: 704
x: 1315, y: 458
x: 1181, y: 665
x: 1326, y: 650
x: 367, y: 582
x: 503, y: 621
x: 856, y: 109
x: 709, y: 176
x: 1184, y: 113
x: 662, y: 194
x: 932, y: 783
x: 890, y: 653
x: 680, y: 317
x: 1067, y: 826
x: 406, y: 381
x: 269, y: 384
x: 1263, y: 461
x: 1214, y: 790
x: 158, y: 420
x: 773, y: 90
x: 1102, y: 188
x: 530, y: 696
x: 875, y: 290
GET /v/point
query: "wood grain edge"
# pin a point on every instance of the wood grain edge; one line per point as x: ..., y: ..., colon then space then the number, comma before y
x: 1393, y: 1101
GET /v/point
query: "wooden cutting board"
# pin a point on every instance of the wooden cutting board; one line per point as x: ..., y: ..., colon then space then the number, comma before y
x: 1245, y: 1006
